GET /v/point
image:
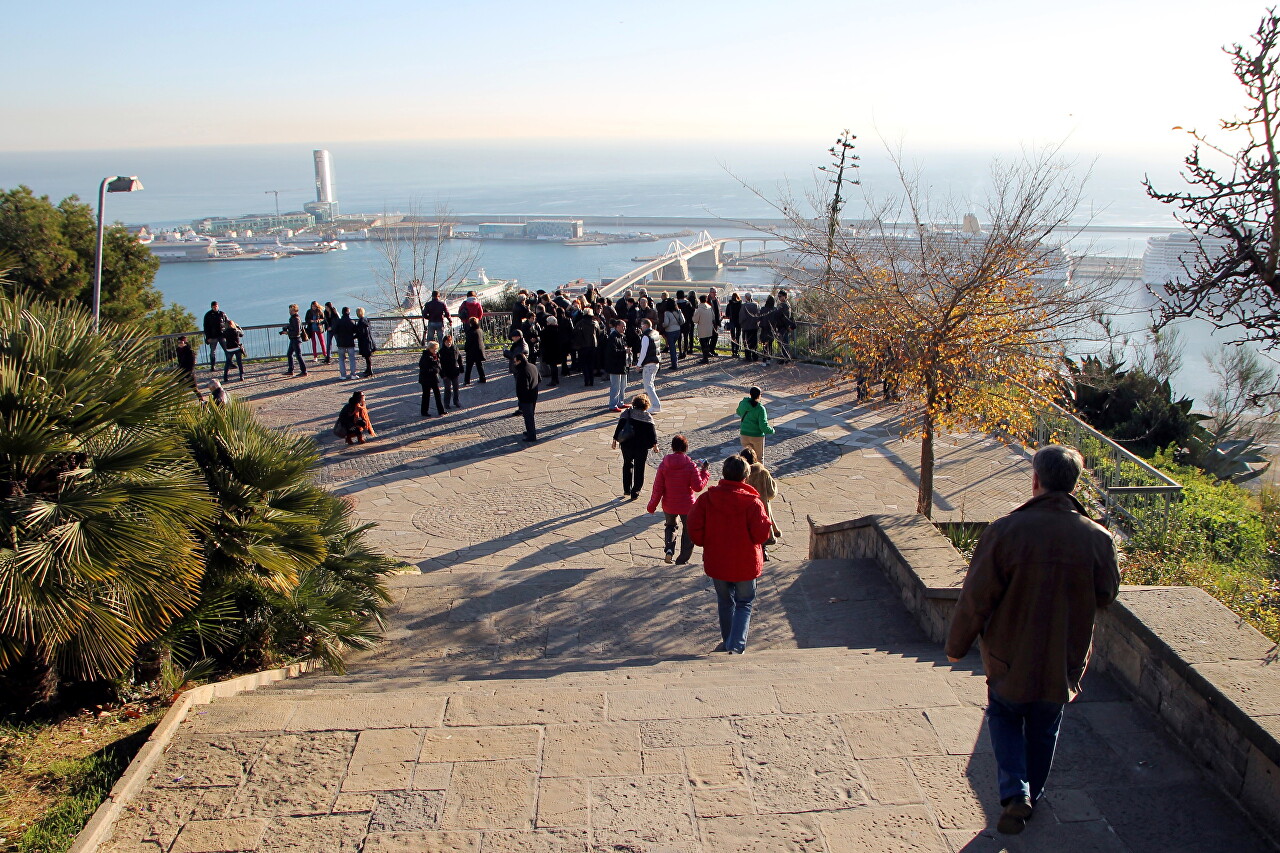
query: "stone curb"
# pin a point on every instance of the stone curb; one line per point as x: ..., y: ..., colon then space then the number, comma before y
x: 139, y: 770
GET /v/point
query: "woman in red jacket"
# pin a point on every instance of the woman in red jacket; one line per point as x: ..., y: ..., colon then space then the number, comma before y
x: 678, y: 480
x: 730, y: 524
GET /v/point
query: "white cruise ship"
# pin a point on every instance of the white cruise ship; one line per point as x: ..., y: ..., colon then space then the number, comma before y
x: 1167, y: 258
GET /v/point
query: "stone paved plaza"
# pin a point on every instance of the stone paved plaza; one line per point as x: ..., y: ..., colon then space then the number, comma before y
x: 547, y: 682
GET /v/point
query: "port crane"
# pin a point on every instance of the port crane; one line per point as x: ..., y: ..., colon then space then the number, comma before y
x: 276, y: 193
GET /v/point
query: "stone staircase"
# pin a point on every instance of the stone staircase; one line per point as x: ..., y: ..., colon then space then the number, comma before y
x: 583, y: 710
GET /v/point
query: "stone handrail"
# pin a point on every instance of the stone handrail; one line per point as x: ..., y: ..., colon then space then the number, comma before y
x: 1211, y: 678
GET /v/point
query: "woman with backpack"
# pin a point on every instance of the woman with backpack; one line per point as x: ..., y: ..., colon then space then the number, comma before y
x: 636, y: 434
x: 755, y: 422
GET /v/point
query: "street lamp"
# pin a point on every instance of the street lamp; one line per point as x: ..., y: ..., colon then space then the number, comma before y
x: 116, y: 184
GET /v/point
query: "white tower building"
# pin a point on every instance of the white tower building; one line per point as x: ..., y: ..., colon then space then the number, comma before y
x: 325, y: 207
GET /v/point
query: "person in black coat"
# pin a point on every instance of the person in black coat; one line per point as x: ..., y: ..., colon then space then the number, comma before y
x: 527, y: 383
x: 450, y: 369
x: 473, y: 350
x: 364, y: 342
x: 187, y: 365
x: 233, y: 346
x: 214, y: 322
x: 637, y: 436
x: 552, y: 350
x: 429, y: 378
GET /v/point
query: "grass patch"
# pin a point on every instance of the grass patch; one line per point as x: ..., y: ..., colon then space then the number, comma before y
x: 1221, y: 538
x: 55, y: 772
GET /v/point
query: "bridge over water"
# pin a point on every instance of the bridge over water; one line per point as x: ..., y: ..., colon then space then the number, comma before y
x: 705, y: 253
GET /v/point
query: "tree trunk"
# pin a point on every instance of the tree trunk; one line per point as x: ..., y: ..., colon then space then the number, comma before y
x: 31, y: 683
x: 924, y: 500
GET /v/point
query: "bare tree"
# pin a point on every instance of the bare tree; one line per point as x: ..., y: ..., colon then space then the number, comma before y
x: 417, y: 258
x: 1233, y: 208
x: 965, y: 329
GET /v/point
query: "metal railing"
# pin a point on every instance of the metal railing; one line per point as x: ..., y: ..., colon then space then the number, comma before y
x: 390, y: 332
x: 394, y: 332
x: 1133, y: 495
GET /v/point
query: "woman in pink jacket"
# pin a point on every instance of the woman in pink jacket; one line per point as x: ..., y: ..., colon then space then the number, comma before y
x: 678, y: 480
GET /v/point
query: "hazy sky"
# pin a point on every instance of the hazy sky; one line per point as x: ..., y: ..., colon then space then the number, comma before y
x: 1110, y: 76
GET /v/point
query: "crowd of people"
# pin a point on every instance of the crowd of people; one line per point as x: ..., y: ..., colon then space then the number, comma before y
x: 1045, y: 564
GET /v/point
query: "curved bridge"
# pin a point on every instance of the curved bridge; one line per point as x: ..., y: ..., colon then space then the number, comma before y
x: 704, y: 253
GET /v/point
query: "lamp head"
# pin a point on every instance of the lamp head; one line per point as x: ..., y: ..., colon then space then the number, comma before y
x: 127, y: 184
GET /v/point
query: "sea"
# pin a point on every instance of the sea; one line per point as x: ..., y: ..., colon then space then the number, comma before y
x: 553, y: 178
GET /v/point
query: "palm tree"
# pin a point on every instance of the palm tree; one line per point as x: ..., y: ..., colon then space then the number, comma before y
x: 99, y: 501
x: 287, y: 572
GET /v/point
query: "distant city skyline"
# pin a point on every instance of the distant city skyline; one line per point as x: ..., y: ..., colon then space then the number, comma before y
x: 990, y: 74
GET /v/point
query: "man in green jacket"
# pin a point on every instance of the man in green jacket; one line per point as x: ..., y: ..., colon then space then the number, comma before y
x: 1036, y: 581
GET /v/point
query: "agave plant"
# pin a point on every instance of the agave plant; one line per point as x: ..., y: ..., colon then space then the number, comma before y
x: 99, y: 501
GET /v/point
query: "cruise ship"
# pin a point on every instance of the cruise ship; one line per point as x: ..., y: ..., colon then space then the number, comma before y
x: 1167, y: 259
x: 175, y: 247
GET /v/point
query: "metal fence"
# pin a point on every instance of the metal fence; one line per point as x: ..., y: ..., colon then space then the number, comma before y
x: 394, y: 332
x: 1133, y: 495
x: 390, y: 332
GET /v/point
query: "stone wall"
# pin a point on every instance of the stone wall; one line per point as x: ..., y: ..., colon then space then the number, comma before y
x: 1210, y: 677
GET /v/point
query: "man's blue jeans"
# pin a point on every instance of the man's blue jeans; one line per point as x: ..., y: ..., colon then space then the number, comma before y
x: 735, y: 600
x: 1024, y: 736
x: 435, y: 332
x: 617, y: 390
x: 346, y: 355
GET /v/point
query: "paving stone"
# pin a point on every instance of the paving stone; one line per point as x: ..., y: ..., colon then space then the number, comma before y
x: 890, y: 781
x: 677, y: 703
x: 340, y: 833
x: 713, y: 766
x: 660, y: 762
x: 799, y: 764
x: 869, y: 695
x: 490, y: 795
x: 383, y: 760
x: 961, y: 790
x: 961, y: 730
x: 262, y: 715
x: 196, y: 761
x: 479, y: 744
x: 295, y: 775
x: 722, y: 802
x: 700, y: 732
x: 528, y: 708
x: 640, y: 808
x: 882, y: 830
x: 562, y: 802
x: 602, y: 749
x: 422, y: 842
x: 405, y: 811
x: 1071, y: 806
x: 220, y: 836
x: 885, y: 734
x: 793, y: 833
x: 432, y: 777
x: 537, y: 841
x: 358, y: 715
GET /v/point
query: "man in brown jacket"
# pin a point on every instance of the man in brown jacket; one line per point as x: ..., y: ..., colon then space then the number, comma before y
x: 1036, y: 581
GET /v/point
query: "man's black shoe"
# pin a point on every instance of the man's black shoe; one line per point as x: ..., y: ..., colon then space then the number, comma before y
x: 1013, y: 819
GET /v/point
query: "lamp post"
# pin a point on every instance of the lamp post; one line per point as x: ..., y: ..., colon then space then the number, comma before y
x: 116, y: 184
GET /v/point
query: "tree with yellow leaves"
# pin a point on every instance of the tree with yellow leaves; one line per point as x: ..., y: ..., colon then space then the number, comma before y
x: 965, y: 326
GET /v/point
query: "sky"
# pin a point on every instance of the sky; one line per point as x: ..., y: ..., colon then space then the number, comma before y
x: 988, y: 74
